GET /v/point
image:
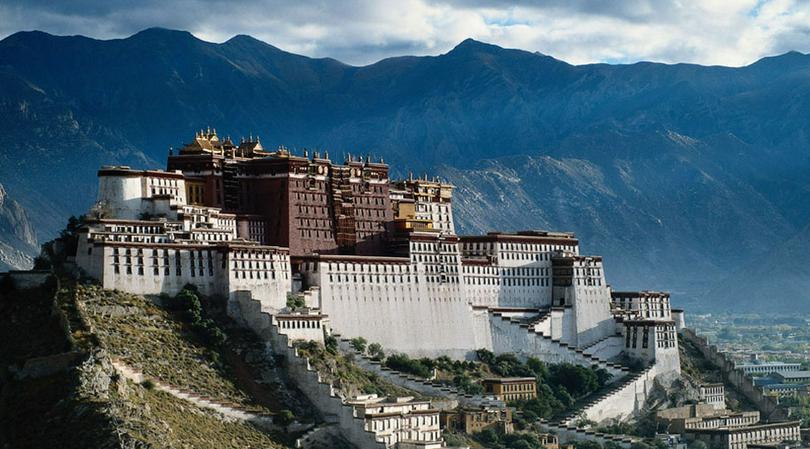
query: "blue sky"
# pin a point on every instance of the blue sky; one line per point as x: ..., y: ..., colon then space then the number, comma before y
x: 725, y: 32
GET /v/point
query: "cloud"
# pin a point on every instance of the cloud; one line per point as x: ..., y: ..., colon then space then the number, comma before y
x: 363, y: 31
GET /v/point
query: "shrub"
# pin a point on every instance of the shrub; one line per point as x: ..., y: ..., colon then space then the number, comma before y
x: 453, y: 440
x: 148, y: 384
x: 585, y: 444
x: 465, y: 384
x: 485, y: 356
x: 578, y: 381
x: 697, y: 444
x: 487, y: 436
x: 285, y: 417
x: 188, y: 303
x: 295, y: 301
x: 359, y: 344
x: 376, y: 352
x: 331, y: 344
x: 401, y: 362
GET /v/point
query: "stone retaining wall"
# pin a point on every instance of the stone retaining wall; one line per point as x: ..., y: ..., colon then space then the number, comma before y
x: 321, y: 394
x: 769, y: 408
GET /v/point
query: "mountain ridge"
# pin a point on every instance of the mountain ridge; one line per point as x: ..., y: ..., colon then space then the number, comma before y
x: 693, y: 170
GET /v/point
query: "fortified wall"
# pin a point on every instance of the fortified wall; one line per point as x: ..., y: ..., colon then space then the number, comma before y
x: 768, y: 406
x: 322, y: 395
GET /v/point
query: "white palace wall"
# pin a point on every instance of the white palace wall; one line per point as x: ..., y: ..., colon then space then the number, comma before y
x: 495, y: 286
x: 591, y: 307
x: 394, y: 303
x: 152, y: 269
x: 122, y: 195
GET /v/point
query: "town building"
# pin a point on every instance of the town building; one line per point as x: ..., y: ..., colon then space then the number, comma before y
x: 743, y: 436
x: 713, y: 394
x: 401, y: 423
x: 510, y: 389
x: 784, y: 383
x: 792, y: 377
x: 471, y: 420
x: 763, y: 368
x: 722, y: 428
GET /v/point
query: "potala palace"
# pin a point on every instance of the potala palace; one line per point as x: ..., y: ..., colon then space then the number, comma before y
x: 372, y: 257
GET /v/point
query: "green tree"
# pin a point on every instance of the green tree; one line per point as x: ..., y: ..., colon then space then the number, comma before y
x: 358, y: 344
x: 697, y: 444
x: 375, y: 350
x: 285, y: 417
x: 586, y: 444
x: 487, y: 436
x: 331, y: 344
x: 485, y: 356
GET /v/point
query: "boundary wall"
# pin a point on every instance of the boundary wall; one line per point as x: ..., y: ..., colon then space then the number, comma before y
x: 323, y: 395
x: 768, y: 407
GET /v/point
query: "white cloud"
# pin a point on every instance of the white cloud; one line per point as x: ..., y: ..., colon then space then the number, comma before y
x: 362, y: 31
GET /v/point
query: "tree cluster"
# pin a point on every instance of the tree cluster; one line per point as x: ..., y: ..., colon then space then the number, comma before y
x: 189, y: 305
x: 558, y: 385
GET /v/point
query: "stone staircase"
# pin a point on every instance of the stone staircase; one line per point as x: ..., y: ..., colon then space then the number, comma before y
x: 423, y: 386
x: 321, y: 437
x: 589, y: 349
x: 228, y: 410
x: 325, y: 397
x: 578, y: 353
x: 540, y: 320
x: 567, y: 433
x: 598, y: 400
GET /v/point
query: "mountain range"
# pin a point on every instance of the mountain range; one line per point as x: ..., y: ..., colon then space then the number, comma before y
x: 687, y: 178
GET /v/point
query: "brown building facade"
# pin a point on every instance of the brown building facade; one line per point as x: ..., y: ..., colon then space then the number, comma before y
x: 308, y: 204
x: 511, y: 388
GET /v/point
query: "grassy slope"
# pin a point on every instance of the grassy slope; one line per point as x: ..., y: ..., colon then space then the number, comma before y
x: 347, y: 376
x: 173, y: 422
x: 89, y: 405
x: 148, y: 337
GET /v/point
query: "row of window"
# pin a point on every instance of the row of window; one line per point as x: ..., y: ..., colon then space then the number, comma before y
x: 434, y: 247
x: 506, y: 271
x: 504, y: 247
x: 135, y: 229
x: 299, y: 324
x: 436, y: 258
x: 508, y: 282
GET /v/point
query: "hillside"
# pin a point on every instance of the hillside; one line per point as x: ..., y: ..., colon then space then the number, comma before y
x: 78, y: 398
x: 680, y: 175
x: 18, y: 246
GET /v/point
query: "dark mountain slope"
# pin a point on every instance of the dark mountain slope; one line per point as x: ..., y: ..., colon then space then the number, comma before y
x: 18, y: 246
x: 778, y: 282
